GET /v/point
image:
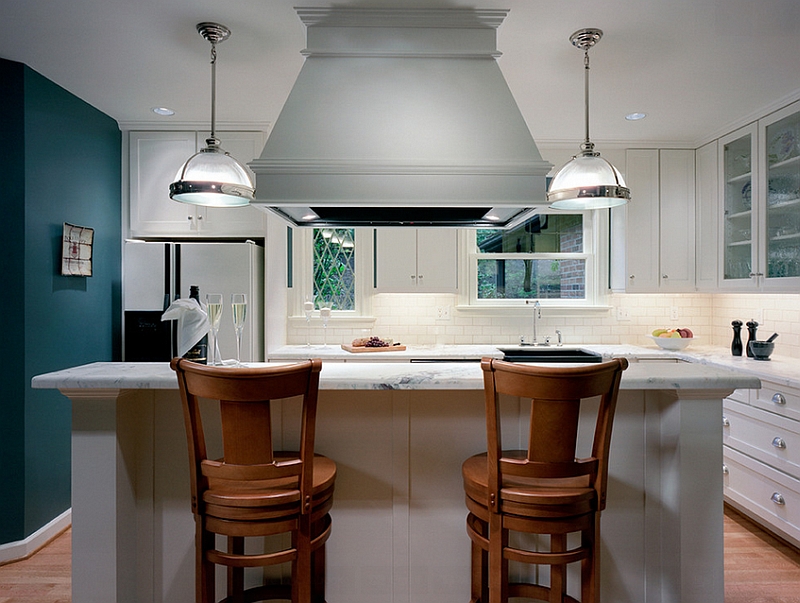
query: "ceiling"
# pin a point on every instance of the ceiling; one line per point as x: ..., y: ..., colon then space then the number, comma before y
x: 696, y: 67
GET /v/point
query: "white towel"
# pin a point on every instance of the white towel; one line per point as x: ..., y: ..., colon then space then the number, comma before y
x: 193, y: 323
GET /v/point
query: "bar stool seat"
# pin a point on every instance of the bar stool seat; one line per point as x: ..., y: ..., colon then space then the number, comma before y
x: 256, y: 492
x: 544, y: 490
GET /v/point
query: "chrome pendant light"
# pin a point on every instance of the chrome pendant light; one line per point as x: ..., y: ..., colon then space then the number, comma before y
x: 212, y: 177
x: 587, y: 181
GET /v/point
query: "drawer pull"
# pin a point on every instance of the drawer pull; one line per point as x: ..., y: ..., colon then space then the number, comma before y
x: 725, y: 422
x: 779, y: 399
x: 778, y: 442
x: 725, y: 470
x: 777, y: 498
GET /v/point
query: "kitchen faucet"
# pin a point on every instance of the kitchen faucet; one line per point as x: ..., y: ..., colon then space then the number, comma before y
x: 537, y: 313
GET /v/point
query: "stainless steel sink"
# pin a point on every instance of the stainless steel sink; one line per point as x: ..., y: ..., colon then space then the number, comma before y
x: 549, y: 354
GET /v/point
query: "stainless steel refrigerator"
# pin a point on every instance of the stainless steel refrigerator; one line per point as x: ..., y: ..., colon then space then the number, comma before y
x: 157, y: 273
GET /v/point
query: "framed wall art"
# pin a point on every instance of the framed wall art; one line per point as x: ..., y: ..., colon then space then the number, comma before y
x: 76, y: 250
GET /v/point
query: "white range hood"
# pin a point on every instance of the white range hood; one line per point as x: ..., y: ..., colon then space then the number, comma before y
x: 401, y: 117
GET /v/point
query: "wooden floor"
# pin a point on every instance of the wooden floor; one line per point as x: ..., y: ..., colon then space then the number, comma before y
x: 758, y: 569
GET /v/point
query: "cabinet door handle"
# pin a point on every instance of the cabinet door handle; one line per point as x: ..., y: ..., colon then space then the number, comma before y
x: 777, y: 498
x: 779, y: 442
x: 725, y: 470
x: 752, y: 274
x: 779, y: 399
x: 413, y: 277
x: 725, y: 421
x: 420, y: 275
x: 664, y: 276
x: 632, y: 276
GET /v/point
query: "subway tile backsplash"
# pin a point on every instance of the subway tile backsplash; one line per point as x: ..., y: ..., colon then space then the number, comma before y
x: 413, y: 320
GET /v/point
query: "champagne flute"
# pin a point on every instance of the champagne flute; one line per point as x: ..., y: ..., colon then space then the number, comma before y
x: 325, y: 315
x: 308, y: 309
x: 214, y: 309
x: 239, y: 307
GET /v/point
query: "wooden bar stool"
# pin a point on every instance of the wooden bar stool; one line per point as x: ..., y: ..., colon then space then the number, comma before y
x: 255, y: 491
x: 542, y: 490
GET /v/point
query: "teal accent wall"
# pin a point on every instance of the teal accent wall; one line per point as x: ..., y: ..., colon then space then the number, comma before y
x: 60, y: 161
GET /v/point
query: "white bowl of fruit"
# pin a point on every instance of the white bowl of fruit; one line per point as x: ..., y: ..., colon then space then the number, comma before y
x: 672, y: 339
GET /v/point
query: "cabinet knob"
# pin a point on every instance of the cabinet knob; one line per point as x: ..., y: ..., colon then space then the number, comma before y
x: 725, y: 421
x: 664, y: 276
x: 420, y: 275
x: 779, y: 399
x: 779, y: 442
x: 752, y: 274
x: 413, y: 277
x: 632, y: 276
x: 777, y: 498
x: 725, y: 470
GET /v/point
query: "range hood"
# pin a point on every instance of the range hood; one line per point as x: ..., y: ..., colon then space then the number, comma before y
x: 401, y: 117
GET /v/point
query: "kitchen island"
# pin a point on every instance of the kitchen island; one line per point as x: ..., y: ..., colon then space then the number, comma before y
x: 398, y: 432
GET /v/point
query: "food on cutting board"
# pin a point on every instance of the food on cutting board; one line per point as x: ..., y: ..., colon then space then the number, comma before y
x: 372, y: 342
x: 674, y: 333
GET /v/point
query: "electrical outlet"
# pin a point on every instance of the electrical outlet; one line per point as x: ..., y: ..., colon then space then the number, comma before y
x: 442, y: 312
x: 623, y: 314
x: 673, y: 313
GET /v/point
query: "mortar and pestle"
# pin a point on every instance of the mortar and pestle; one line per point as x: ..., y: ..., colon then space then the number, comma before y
x: 762, y: 350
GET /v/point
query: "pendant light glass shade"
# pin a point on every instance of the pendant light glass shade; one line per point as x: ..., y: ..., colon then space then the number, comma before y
x: 587, y: 181
x: 212, y: 177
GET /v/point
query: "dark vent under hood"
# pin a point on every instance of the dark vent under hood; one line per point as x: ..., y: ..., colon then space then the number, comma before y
x: 401, y: 117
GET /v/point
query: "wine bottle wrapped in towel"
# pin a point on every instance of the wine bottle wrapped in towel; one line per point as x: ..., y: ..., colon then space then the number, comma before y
x: 193, y: 323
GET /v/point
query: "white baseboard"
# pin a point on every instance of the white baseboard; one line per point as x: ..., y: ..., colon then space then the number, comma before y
x: 20, y: 549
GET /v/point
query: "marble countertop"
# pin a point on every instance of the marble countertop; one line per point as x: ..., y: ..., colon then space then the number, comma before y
x: 652, y: 371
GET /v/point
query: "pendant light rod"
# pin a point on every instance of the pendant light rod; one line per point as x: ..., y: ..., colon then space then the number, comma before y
x: 584, y: 39
x: 213, y: 33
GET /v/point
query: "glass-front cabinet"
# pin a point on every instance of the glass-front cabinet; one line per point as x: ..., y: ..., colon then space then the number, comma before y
x: 739, y: 219
x: 760, y: 173
x: 781, y: 147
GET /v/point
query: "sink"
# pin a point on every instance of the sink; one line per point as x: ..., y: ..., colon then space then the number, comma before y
x: 549, y: 354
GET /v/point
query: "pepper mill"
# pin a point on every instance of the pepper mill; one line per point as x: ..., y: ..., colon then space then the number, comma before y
x: 752, y: 325
x: 736, y: 344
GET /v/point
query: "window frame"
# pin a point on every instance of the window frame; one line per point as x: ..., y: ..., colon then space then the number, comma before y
x: 303, y: 281
x: 595, y: 253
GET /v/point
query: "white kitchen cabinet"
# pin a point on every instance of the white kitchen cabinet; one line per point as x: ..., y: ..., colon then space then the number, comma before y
x: 153, y: 162
x: 418, y: 260
x: 738, y: 165
x: 707, y: 216
x: 761, y: 455
x: 660, y: 224
x: 760, y: 202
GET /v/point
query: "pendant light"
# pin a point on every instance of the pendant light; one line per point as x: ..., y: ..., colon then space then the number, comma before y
x: 212, y: 177
x: 587, y: 181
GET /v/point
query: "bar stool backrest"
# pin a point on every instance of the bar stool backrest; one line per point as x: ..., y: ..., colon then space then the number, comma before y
x: 555, y: 394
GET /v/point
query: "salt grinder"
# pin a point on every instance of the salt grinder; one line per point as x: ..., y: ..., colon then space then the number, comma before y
x: 752, y: 325
x: 736, y: 344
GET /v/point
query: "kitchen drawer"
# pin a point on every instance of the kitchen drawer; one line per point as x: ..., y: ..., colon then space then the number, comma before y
x: 784, y: 401
x: 768, y: 437
x: 770, y: 497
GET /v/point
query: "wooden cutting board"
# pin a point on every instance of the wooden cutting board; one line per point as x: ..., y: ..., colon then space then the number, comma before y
x: 360, y: 349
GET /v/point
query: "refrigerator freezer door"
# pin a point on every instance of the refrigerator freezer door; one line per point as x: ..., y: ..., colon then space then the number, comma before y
x: 146, y: 267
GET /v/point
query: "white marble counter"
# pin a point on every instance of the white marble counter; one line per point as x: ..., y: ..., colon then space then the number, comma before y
x: 397, y: 376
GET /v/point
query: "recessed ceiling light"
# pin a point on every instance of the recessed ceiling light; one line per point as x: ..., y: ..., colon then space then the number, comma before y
x: 635, y: 116
x: 163, y: 111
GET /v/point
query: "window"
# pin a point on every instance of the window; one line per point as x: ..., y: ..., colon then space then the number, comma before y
x: 547, y: 257
x: 334, y: 268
